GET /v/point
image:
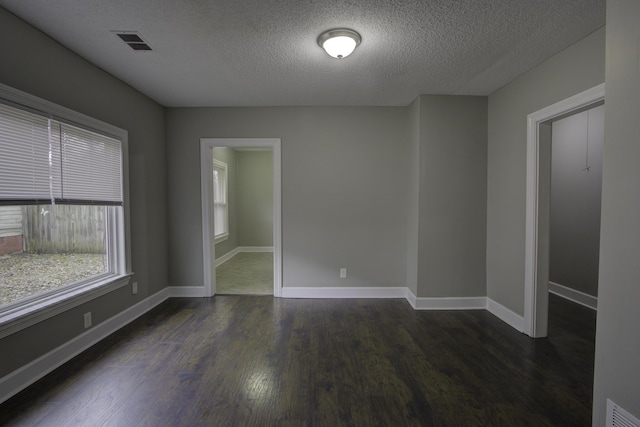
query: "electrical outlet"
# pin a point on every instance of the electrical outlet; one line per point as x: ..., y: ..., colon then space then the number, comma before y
x: 134, y: 288
x: 343, y: 273
x: 87, y: 320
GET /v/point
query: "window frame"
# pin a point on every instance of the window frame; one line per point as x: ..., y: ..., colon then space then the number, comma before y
x: 225, y: 235
x: 37, y: 308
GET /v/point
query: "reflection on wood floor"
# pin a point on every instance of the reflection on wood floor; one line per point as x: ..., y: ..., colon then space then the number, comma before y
x: 263, y: 361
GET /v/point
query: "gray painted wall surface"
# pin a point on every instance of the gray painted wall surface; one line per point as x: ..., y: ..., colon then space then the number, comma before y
x: 617, y: 376
x: 413, y: 212
x: 577, y: 68
x: 344, y: 191
x: 228, y: 156
x: 36, y: 64
x: 255, y: 198
x: 575, y: 200
x: 452, y: 196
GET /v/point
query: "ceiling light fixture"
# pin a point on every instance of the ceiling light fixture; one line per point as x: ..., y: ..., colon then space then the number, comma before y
x: 339, y: 43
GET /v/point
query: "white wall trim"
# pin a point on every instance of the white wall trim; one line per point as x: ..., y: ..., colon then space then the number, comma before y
x: 233, y: 252
x: 41, y: 310
x: 531, y: 285
x: 503, y: 313
x: 186, y: 291
x: 255, y: 248
x: 226, y: 257
x: 410, y: 297
x: 26, y: 375
x: 343, y: 292
x: 573, y: 295
x: 462, y: 303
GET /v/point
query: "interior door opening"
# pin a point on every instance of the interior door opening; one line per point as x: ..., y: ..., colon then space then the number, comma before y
x: 241, y: 216
x: 538, y: 221
x: 243, y: 220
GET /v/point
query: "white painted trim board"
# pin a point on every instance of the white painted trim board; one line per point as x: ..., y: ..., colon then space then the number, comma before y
x: 573, y: 295
x: 345, y: 292
x: 28, y: 374
x: 21, y: 378
x: 531, y: 279
x: 235, y: 251
x: 506, y: 315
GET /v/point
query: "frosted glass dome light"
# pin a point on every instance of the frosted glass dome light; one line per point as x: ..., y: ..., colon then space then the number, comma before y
x: 339, y: 43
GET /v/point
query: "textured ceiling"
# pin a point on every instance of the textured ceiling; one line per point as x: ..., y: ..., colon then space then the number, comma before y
x: 264, y: 52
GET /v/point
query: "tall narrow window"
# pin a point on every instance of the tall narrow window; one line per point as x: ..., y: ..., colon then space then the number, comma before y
x: 220, y: 201
x: 62, y: 226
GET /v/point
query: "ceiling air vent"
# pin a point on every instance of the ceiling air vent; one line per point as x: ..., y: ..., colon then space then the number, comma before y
x: 133, y: 39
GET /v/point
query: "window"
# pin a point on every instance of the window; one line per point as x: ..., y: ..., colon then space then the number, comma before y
x: 62, y: 209
x: 220, y: 203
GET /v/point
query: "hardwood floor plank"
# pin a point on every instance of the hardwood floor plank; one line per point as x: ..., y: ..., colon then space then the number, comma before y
x: 260, y: 361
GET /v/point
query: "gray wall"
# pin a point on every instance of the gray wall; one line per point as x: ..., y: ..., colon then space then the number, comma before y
x: 228, y: 156
x: 452, y: 196
x: 255, y: 198
x: 413, y: 208
x: 575, y: 200
x: 36, y: 64
x: 577, y: 68
x: 617, y: 376
x: 344, y: 190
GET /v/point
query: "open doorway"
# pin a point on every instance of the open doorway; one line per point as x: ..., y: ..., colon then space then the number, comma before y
x: 241, y: 216
x: 577, y: 142
x: 243, y: 220
x: 538, y: 222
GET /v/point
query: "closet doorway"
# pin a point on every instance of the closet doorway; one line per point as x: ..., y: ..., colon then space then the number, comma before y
x: 538, y: 219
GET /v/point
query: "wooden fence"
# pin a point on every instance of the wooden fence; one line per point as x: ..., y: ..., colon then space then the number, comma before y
x: 64, y: 229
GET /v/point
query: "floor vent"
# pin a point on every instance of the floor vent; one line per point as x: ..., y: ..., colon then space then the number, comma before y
x: 618, y: 417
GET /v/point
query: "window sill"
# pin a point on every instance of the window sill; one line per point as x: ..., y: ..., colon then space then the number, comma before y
x: 30, y: 314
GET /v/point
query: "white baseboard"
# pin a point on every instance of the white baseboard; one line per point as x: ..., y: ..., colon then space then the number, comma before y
x: 346, y: 292
x: 21, y: 378
x: 26, y: 375
x: 233, y: 252
x: 503, y: 313
x: 410, y: 297
x: 186, y: 291
x: 255, y: 248
x: 572, y: 295
x: 462, y: 303
x: 226, y: 257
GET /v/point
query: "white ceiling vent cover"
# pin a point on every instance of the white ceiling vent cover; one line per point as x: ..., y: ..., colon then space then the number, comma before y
x: 618, y: 417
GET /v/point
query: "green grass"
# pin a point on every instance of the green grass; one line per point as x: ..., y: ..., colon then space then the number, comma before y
x: 23, y: 275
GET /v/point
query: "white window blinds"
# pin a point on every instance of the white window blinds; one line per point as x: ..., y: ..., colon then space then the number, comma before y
x: 91, y: 166
x: 27, y: 172
x: 43, y: 160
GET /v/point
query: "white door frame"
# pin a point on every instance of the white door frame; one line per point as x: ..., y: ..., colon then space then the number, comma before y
x: 536, y: 250
x: 206, y: 181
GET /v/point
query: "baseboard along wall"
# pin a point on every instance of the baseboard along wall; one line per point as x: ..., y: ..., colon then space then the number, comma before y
x: 28, y: 374
x: 233, y: 252
x: 573, y: 295
x: 21, y: 378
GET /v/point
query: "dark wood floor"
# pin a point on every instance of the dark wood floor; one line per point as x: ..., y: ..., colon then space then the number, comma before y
x: 260, y: 361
